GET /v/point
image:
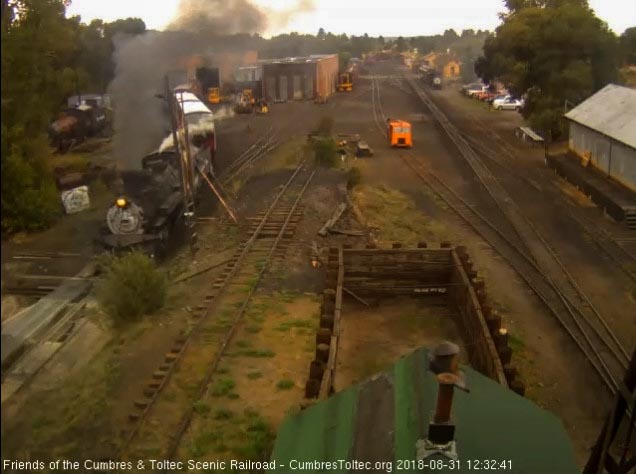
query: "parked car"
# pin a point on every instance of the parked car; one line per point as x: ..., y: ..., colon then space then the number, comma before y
x: 498, y: 97
x: 477, y: 90
x: 484, y: 96
x: 508, y: 103
x: 469, y: 89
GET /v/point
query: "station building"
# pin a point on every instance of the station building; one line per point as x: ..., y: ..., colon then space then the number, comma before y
x: 603, y: 133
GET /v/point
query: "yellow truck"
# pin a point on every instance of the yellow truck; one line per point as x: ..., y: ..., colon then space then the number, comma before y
x: 345, y: 82
x: 214, y: 95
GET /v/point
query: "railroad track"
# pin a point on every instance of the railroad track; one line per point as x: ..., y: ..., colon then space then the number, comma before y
x: 157, y: 422
x: 261, y: 147
x: 376, y: 103
x: 605, y: 241
x: 599, y: 345
x: 533, y: 258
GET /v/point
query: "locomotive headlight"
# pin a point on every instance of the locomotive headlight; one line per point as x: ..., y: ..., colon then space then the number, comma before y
x: 121, y: 202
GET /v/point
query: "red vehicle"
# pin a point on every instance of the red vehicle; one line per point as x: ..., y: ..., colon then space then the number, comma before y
x: 485, y: 96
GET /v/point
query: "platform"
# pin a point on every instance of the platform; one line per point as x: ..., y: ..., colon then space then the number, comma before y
x: 617, y: 200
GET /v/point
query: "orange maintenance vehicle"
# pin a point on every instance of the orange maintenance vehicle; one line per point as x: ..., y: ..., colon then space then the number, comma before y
x: 399, y: 133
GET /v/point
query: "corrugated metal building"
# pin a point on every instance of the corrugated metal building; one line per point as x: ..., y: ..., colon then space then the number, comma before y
x: 300, y: 78
x: 382, y: 420
x: 603, y: 131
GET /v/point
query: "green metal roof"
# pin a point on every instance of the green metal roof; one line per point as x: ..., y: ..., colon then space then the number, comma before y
x: 380, y: 420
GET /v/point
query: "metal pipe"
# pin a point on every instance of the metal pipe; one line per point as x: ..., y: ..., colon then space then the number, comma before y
x: 445, y: 393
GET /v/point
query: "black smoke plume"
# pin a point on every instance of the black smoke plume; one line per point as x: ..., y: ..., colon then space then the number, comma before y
x: 201, y: 27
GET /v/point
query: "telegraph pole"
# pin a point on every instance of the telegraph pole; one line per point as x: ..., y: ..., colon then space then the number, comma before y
x: 181, y: 141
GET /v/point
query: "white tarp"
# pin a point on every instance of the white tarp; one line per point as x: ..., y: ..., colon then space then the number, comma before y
x: 76, y: 200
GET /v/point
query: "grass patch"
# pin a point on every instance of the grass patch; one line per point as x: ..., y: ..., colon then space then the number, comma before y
x: 203, y: 443
x: 257, y: 353
x: 515, y: 343
x: 257, y: 317
x: 233, y: 396
x: 254, y: 375
x: 223, y: 387
x: 287, y: 296
x: 223, y: 414
x: 243, y: 343
x: 253, y: 329
x: 285, y: 384
x: 201, y: 408
x: 295, y: 323
x: 259, y: 440
x: 285, y: 156
x: 396, y: 216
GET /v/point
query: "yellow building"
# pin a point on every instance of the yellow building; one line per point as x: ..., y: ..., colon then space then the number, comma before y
x: 452, y: 69
x: 430, y: 59
x: 447, y: 63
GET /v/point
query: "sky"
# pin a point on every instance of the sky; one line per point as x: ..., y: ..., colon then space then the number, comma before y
x: 375, y: 17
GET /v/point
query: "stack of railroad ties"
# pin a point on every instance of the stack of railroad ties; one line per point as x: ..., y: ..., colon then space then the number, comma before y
x: 493, y: 357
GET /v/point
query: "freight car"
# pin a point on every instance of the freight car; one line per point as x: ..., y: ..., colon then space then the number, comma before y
x: 74, y: 125
x: 151, y: 209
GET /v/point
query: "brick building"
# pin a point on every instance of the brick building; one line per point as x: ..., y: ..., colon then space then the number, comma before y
x: 300, y: 78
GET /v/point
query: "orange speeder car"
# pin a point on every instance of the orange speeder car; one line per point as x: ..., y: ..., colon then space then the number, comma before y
x: 399, y: 133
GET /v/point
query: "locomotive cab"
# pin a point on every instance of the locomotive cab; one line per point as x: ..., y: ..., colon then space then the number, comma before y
x: 399, y: 133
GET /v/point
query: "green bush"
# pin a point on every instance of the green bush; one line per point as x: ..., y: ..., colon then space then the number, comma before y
x: 30, y: 200
x: 325, y: 151
x: 132, y: 287
x: 354, y: 177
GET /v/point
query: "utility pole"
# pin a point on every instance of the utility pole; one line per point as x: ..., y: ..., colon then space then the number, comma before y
x: 181, y: 143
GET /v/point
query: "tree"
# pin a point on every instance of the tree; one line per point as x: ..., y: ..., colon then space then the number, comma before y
x: 321, y: 33
x: 38, y: 45
x: 628, y: 46
x: 551, y: 51
x: 45, y: 58
x: 381, y: 40
x: 450, y: 35
x: 400, y: 44
x: 343, y: 60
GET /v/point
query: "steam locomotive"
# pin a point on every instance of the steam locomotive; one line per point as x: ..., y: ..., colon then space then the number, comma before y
x: 148, y: 212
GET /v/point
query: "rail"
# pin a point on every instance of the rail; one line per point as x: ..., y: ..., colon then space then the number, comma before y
x: 187, y: 340
x: 587, y: 338
x: 203, y: 391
